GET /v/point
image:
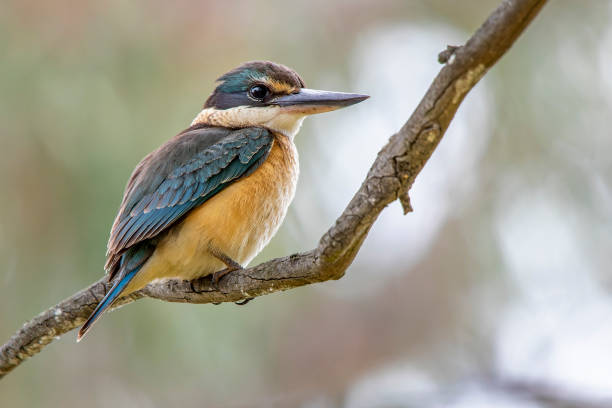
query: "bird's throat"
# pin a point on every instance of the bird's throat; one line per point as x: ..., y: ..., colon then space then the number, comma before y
x: 274, y: 118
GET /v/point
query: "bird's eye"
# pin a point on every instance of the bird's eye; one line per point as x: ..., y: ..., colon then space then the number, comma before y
x: 258, y: 92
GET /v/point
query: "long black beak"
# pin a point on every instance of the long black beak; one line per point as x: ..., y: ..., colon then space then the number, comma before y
x: 314, y: 101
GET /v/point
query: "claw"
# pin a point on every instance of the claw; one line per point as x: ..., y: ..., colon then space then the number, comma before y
x: 229, y: 262
x: 216, y: 277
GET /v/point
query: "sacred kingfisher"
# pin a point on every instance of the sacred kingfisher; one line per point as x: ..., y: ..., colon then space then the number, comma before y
x: 208, y: 200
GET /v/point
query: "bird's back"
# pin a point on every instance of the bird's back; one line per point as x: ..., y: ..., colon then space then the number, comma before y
x: 169, y: 180
x: 238, y: 221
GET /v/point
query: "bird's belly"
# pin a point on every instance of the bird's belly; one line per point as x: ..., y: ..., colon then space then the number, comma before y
x: 238, y: 221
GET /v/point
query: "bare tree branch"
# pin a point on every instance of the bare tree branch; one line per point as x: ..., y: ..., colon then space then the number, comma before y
x: 390, y: 178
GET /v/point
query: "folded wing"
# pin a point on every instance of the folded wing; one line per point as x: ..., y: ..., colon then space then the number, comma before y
x: 179, y: 176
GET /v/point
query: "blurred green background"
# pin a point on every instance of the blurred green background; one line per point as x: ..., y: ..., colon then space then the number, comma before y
x: 494, y: 292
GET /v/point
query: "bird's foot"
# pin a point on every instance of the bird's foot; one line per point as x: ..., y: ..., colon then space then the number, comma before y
x: 239, y: 303
x: 244, y: 301
x: 229, y: 262
x: 216, y: 277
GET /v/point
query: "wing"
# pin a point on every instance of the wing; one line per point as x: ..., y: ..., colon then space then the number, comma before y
x: 179, y: 176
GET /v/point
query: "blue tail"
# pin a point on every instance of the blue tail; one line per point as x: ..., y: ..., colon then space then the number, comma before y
x: 107, y: 301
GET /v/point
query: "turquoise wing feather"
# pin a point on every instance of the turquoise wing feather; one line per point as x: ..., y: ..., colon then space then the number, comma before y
x: 180, y: 176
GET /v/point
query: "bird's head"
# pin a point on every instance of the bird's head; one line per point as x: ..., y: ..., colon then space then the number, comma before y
x: 263, y: 93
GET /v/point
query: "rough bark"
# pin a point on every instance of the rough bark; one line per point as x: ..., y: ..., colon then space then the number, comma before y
x: 390, y: 178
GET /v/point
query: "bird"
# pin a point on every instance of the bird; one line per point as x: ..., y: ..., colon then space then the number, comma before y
x: 209, y: 200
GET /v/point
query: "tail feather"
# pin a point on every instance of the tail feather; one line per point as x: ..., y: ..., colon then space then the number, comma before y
x: 108, y: 300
